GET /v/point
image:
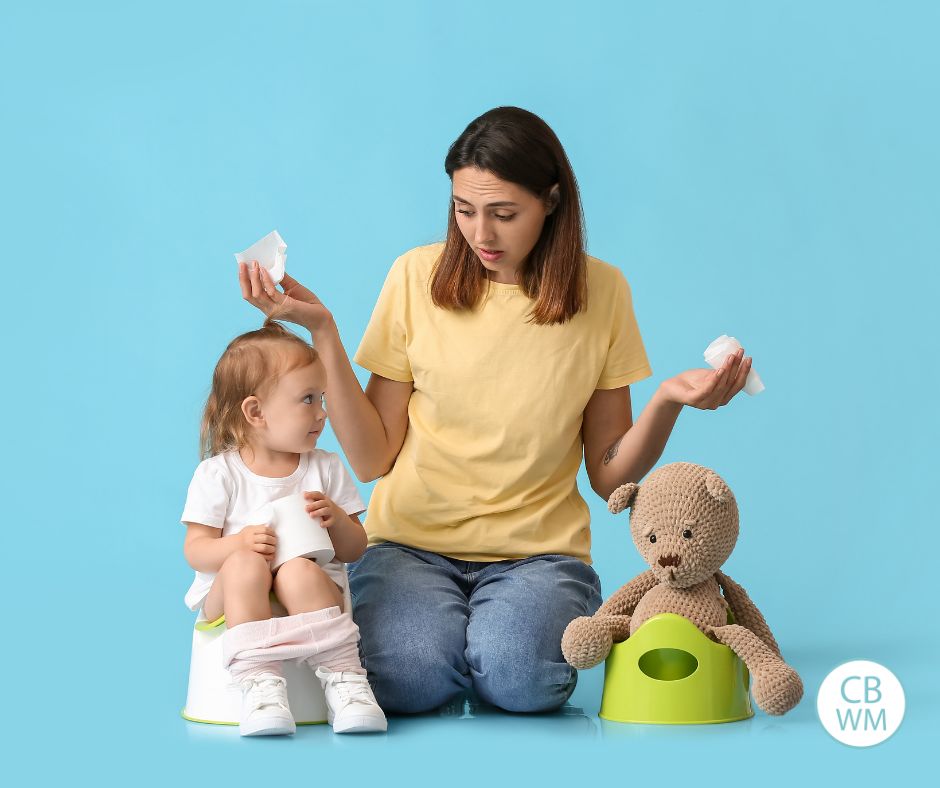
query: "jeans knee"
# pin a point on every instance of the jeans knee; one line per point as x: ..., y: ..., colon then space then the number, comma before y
x: 518, y: 682
x: 410, y: 681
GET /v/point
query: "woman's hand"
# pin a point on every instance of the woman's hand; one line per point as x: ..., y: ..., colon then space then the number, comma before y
x: 708, y: 389
x: 295, y: 303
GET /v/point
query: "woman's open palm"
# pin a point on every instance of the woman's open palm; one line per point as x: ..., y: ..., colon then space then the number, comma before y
x: 709, y: 389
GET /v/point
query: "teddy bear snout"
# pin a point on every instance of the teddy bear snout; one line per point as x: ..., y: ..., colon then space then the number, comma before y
x: 668, y: 560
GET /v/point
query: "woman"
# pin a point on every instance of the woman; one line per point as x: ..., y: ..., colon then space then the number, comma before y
x: 496, y: 358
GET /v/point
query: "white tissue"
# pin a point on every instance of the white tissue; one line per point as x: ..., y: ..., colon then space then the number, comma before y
x: 270, y: 252
x: 720, y: 349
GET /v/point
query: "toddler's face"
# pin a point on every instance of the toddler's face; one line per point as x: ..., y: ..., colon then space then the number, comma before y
x: 294, y: 411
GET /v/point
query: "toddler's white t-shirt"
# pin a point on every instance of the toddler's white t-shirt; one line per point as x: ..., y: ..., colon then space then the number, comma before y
x: 225, y: 494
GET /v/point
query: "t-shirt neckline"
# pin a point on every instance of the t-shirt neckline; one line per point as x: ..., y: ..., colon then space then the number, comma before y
x: 501, y: 287
x: 273, y: 481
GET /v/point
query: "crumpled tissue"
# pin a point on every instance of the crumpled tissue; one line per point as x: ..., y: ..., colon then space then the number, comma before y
x: 720, y: 349
x: 270, y: 252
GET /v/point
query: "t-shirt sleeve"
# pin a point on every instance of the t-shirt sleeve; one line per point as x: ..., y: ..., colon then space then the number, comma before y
x: 342, y: 489
x: 208, y: 497
x: 626, y: 357
x: 383, y: 349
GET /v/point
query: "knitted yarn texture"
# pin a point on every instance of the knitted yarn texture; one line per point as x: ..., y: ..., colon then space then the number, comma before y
x: 684, y: 522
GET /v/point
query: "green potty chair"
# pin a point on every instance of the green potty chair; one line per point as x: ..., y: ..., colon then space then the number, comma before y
x: 670, y: 673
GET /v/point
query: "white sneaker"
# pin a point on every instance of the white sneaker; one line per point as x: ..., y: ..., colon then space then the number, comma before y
x: 350, y: 704
x: 264, y: 707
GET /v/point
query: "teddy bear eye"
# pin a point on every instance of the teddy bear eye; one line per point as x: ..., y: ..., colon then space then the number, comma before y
x: 687, y: 533
x: 653, y: 538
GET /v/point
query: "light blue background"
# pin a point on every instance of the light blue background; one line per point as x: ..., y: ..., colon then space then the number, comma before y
x: 767, y: 170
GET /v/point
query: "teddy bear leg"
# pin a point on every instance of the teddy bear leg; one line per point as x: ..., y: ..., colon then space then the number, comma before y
x: 587, y: 640
x: 776, y: 686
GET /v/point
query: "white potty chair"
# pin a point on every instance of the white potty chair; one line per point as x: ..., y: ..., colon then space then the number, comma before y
x: 212, y: 697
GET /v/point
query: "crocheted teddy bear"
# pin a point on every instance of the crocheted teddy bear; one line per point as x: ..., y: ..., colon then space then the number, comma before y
x: 684, y: 522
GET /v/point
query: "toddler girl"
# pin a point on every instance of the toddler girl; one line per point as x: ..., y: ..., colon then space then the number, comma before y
x: 259, y: 433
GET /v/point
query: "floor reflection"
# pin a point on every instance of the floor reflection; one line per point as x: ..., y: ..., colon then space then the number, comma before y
x: 470, y: 711
x: 567, y: 720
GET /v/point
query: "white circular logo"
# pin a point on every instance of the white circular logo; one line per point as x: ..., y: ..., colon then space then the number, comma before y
x: 860, y: 703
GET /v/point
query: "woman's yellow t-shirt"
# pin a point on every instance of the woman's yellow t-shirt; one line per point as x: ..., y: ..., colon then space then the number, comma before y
x: 488, y: 467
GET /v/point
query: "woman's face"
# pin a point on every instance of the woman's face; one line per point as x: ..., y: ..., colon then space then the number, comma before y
x: 500, y: 220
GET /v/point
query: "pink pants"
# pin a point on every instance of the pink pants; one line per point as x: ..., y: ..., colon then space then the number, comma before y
x: 327, y: 638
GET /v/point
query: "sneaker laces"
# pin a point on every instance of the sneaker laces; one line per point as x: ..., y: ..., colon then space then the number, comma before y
x: 266, y: 691
x: 351, y: 687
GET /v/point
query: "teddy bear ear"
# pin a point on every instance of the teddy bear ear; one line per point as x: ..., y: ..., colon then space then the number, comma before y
x: 716, y: 487
x: 622, y: 497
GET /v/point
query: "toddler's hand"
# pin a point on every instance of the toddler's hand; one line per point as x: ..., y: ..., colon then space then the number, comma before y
x: 260, y: 538
x: 318, y: 505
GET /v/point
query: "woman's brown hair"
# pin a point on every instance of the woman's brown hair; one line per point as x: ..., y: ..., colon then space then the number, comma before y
x: 250, y: 365
x: 518, y: 146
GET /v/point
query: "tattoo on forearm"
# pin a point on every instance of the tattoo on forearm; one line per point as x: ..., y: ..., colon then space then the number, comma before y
x: 612, y: 452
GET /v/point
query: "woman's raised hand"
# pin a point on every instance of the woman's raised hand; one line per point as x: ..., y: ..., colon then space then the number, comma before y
x: 294, y: 303
x: 709, y: 389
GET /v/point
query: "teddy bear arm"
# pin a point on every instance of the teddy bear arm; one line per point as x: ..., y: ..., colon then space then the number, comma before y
x: 586, y: 641
x: 776, y: 686
x: 746, y: 612
x: 625, y: 599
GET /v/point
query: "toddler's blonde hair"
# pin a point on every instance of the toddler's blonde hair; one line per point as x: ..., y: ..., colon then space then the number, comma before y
x: 250, y: 365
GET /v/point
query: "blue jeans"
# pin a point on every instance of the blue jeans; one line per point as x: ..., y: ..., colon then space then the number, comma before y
x: 432, y: 627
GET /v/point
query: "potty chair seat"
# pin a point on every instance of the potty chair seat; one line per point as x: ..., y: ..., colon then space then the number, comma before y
x: 212, y: 697
x: 670, y: 673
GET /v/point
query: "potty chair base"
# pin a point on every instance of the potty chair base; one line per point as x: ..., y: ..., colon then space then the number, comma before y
x: 212, y: 698
x: 669, y: 673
